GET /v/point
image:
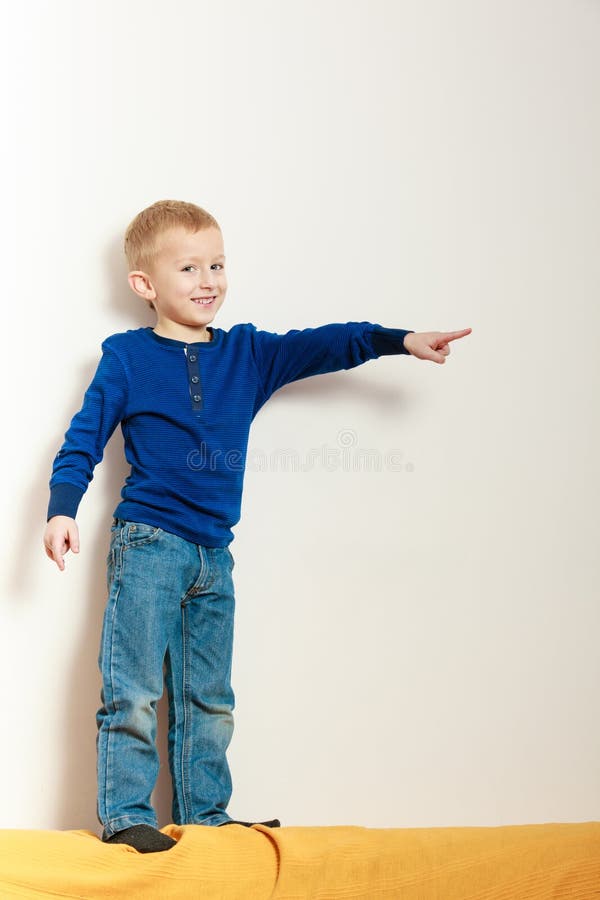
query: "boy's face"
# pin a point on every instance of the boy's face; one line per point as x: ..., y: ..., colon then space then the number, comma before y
x: 189, y: 267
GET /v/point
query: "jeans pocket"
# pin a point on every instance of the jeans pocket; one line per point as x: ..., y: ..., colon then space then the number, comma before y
x: 137, y: 533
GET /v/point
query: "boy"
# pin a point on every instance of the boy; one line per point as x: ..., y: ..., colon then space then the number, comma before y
x: 185, y: 394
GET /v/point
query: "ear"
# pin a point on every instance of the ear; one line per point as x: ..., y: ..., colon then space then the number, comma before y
x: 140, y: 284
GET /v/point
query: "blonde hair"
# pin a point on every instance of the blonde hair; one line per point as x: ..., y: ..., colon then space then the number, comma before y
x: 143, y: 235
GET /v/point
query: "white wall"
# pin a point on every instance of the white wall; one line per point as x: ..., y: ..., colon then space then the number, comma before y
x: 414, y: 647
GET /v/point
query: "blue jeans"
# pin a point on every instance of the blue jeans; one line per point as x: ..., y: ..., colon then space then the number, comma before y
x: 169, y: 602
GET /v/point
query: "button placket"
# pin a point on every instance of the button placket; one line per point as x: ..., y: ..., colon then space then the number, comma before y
x: 194, y: 382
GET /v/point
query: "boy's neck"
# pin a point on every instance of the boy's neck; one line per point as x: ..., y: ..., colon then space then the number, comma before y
x: 186, y: 335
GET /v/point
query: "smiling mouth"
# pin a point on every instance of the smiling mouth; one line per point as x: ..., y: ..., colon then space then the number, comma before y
x: 203, y: 301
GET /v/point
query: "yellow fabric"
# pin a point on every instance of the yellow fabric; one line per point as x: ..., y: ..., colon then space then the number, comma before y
x: 513, y: 862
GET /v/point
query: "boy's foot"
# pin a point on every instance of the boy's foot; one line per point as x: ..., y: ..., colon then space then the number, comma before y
x: 144, y: 838
x: 272, y: 823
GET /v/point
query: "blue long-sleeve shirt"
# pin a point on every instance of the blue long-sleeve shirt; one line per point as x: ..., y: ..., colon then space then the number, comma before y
x: 185, y: 411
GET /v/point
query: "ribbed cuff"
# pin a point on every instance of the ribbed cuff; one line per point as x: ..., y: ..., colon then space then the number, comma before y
x: 64, y: 500
x: 386, y: 341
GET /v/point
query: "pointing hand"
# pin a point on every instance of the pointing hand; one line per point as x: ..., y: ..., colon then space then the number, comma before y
x: 433, y: 345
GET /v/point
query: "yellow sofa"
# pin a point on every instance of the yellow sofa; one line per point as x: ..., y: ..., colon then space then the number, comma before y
x: 514, y: 862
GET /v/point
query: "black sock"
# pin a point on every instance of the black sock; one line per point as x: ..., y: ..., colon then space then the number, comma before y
x: 144, y: 838
x: 272, y: 823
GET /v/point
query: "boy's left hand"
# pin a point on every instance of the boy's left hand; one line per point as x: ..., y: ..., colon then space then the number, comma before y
x: 433, y: 345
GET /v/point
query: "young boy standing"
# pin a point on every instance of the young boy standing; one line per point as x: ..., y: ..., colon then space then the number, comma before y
x: 185, y: 394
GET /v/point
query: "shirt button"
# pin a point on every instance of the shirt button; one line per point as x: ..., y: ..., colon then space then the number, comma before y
x: 192, y: 358
x: 195, y: 379
x: 196, y: 398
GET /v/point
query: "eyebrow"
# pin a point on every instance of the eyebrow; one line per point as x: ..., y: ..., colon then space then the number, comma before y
x: 197, y: 258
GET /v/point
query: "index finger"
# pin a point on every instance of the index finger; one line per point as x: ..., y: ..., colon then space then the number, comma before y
x: 55, y: 551
x: 55, y: 556
x: 453, y: 335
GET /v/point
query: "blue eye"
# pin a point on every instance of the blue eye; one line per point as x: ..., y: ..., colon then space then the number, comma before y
x: 185, y: 268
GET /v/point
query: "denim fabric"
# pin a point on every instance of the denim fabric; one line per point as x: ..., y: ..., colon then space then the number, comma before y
x: 170, y: 602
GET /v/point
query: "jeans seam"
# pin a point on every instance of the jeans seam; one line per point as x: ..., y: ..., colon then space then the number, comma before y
x: 184, y: 740
x: 117, y: 585
x: 139, y: 542
x: 215, y: 819
x: 204, y: 567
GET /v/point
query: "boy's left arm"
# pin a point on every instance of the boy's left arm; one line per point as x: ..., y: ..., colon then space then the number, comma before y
x: 300, y: 353
x: 282, y: 358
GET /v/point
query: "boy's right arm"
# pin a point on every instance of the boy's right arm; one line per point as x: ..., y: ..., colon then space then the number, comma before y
x: 104, y: 405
